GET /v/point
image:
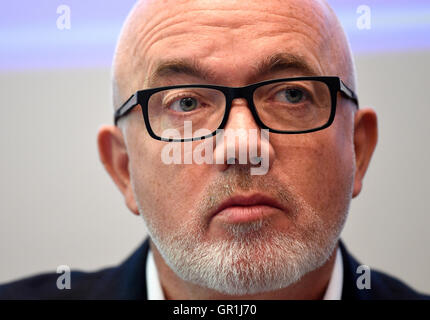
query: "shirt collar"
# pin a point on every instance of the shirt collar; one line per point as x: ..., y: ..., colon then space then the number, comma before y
x: 152, y: 280
x: 334, y: 288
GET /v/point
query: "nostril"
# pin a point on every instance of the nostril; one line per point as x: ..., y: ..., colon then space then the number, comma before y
x: 253, y: 160
x: 231, y: 160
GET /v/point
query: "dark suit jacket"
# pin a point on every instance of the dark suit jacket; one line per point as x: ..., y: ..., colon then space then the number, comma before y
x: 128, y: 281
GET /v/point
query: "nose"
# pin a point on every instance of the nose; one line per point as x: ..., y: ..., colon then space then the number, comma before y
x: 242, y: 142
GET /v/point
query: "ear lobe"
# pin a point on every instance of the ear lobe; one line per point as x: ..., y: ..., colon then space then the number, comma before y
x: 113, y: 154
x: 365, y: 139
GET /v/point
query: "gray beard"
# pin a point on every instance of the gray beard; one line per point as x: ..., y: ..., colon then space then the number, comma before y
x: 253, y: 257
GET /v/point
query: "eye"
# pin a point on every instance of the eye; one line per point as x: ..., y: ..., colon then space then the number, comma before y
x: 290, y: 95
x: 185, y: 104
x: 188, y: 104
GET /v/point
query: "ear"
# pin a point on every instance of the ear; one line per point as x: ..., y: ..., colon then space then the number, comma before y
x: 365, y: 139
x: 113, y: 154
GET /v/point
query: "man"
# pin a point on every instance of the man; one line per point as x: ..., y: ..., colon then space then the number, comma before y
x: 280, y: 76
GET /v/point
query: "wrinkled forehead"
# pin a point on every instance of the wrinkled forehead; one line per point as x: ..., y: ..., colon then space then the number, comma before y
x: 222, y: 33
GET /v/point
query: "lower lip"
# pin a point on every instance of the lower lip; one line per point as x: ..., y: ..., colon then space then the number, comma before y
x: 243, y: 214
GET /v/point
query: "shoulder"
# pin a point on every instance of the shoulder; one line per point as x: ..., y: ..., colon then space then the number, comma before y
x: 44, y: 286
x: 389, y: 287
x: 125, y: 281
x: 380, y: 286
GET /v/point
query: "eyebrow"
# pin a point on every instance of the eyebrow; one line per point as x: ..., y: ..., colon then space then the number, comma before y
x: 191, y: 67
x: 283, y: 62
x: 168, y: 68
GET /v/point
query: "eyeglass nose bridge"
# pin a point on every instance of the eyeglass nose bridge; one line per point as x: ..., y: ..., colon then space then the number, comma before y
x: 241, y: 93
x: 245, y: 93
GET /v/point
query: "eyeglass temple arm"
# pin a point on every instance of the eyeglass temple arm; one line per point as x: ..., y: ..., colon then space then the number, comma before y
x: 348, y: 92
x: 125, y: 108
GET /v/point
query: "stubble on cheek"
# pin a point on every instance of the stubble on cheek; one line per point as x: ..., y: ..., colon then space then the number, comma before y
x: 323, y: 173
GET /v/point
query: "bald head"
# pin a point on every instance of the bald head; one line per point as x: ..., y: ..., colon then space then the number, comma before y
x: 235, y: 34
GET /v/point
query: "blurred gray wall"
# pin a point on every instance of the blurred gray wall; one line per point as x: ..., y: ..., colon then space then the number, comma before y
x: 58, y: 205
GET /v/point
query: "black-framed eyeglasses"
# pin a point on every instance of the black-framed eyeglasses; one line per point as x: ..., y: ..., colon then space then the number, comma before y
x: 193, y: 112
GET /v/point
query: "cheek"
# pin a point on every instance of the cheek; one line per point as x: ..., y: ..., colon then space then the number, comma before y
x: 333, y: 169
x: 319, y: 166
x: 165, y: 192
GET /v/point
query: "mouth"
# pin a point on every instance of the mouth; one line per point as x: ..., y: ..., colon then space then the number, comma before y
x: 247, y: 208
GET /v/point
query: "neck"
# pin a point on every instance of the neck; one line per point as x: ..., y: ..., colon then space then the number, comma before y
x: 311, y: 286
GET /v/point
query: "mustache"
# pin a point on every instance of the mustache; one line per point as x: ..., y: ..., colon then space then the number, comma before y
x: 238, y: 180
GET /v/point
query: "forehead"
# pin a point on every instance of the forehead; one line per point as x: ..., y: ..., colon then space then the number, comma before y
x: 229, y: 35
